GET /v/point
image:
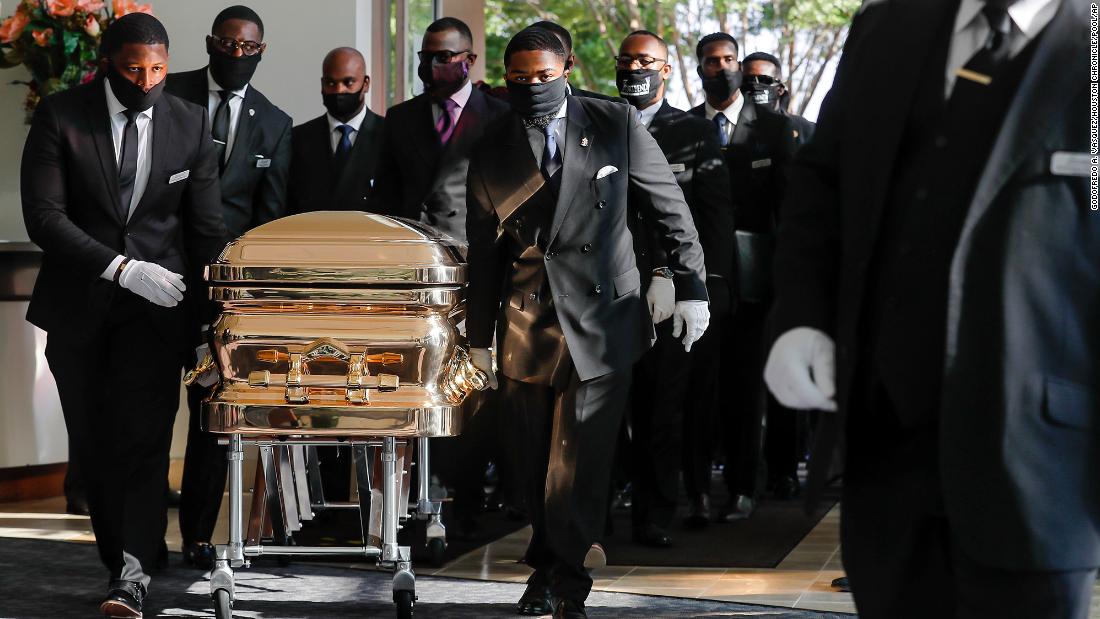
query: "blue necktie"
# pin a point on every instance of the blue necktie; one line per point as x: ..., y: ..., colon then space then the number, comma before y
x: 551, y: 163
x: 344, y: 146
x: 723, y: 137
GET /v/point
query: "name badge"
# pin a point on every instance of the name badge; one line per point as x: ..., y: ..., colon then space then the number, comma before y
x: 761, y: 163
x: 179, y: 176
x: 1064, y: 163
x: 677, y: 167
x: 263, y: 163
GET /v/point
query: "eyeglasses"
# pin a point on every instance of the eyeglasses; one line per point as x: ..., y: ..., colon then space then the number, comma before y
x: 766, y: 80
x: 248, y: 48
x: 645, y: 62
x: 443, y: 56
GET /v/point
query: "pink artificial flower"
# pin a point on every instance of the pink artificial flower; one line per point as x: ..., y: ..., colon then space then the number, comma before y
x: 12, y: 27
x: 88, y: 77
x: 125, y: 7
x: 61, y: 8
x: 91, y: 26
x: 42, y: 37
x: 89, y: 6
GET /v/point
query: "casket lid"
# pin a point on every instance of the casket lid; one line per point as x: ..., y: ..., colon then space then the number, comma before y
x: 341, y: 248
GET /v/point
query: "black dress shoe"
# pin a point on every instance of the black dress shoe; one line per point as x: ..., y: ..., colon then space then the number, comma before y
x: 699, y: 513
x: 652, y: 535
x: 77, y: 507
x: 199, y: 554
x: 569, y: 609
x: 124, y: 598
x: 841, y: 584
x: 535, y: 601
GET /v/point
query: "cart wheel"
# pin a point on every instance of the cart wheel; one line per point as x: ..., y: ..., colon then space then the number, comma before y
x: 223, y: 606
x: 404, y: 600
x: 436, y: 547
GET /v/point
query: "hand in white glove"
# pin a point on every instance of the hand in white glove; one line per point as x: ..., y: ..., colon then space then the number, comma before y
x: 801, y: 370
x: 210, y: 376
x: 661, y: 298
x: 153, y: 283
x: 482, y: 359
x: 691, y: 317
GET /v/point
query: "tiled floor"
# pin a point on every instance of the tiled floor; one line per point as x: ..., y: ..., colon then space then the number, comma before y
x: 801, y: 580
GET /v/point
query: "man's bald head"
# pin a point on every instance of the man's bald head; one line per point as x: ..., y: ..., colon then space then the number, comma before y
x: 344, y: 71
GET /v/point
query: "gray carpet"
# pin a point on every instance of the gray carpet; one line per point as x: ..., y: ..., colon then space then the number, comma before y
x: 47, y: 580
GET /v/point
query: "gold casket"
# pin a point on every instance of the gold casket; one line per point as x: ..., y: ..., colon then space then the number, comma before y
x: 341, y: 324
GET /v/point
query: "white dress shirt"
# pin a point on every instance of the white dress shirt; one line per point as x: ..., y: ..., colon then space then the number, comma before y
x: 354, y: 122
x: 1028, y: 17
x: 144, y: 122
x: 732, y: 113
x: 646, y: 116
x: 461, y: 97
x: 213, y: 99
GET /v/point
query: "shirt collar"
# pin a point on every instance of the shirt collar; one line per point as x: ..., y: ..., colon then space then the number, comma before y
x: 114, y: 106
x: 354, y: 121
x: 733, y: 112
x: 1026, y: 15
x: 463, y: 94
x: 213, y: 86
x: 646, y: 115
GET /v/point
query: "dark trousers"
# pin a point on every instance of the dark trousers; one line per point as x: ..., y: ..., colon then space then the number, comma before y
x: 897, y: 541
x: 204, y: 471
x: 119, y: 392
x: 461, y: 462
x: 742, y: 413
x: 568, y: 438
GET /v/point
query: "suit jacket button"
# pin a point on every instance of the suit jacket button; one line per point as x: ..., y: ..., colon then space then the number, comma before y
x: 587, y: 247
x: 533, y: 296
x: 598, y: 289
x: 549, y: 255
x: 601, y: 204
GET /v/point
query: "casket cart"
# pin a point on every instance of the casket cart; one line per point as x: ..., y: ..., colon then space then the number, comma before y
x: 336, y: 329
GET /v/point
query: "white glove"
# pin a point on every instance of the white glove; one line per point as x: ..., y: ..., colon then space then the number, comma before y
x: 801, y: 370
x: 210, y: 376
x: 153, y: 282
x: 661, y: 298
x: 482, y: 359
x: 691, y: 317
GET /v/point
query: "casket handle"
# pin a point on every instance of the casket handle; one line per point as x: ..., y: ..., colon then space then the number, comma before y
x: 357, y: 381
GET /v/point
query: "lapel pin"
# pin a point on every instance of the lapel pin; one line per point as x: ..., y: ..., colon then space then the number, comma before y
x: 251, y: 112
x: 584, y: 141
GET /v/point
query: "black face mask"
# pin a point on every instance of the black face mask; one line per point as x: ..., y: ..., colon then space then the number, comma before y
x: 640, y: 86
x: 342, y: 105
x: 442, y: 80
x: 762, y: 94
x: 534, y: 100
x: 231, y: 72
x: 130, y: 94
x: 721, y: 86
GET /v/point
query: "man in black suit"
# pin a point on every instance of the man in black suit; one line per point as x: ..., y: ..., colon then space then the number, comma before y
x: 335, y: 155
x: 553, y: 276
x: 939, y: 230
x: 120, y: 190
x: 763, y: 84
x: 252, y: 139
x: 428, y: 138
x: 757, y: 142
x: 668, y: 378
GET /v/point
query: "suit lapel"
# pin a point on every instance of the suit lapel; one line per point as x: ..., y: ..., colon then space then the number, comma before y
x: 746, y: 121
x: 1059, y: 60
x: 424, y: 137
x: 100, y: 124
x: 512, y: 176
x: 162, y: 140
x: 578, y: 143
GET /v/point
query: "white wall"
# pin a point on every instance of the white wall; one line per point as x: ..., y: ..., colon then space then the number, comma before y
x: 298, y: 35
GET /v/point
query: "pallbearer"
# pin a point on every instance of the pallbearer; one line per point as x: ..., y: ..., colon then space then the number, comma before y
x: 552, y: 273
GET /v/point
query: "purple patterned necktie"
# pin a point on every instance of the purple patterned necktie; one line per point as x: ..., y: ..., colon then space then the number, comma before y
x: 445, y: 126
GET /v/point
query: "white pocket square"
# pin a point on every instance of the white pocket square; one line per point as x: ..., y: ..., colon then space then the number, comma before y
x: 1063, y: 163
x: 179, y: 176
x: 607, y: 170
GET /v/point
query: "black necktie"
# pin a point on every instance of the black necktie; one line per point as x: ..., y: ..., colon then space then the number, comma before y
x: 343, y: 147
x: 127, y: 170
x: 220, y: 129
x: 973, y: 80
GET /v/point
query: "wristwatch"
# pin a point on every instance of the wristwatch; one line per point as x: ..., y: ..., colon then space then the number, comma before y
x: 664, y: 272
x: 120, y: 269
